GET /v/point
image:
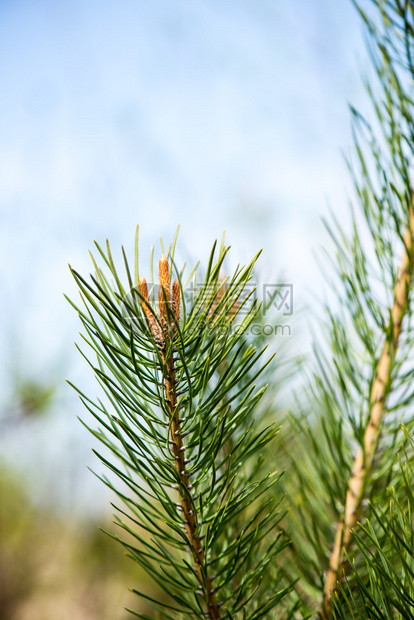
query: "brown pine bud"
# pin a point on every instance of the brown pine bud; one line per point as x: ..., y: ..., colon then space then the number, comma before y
x: 176, y: 300
x: 164, y: 293
x: 165, y: 276
x: 143, y: 289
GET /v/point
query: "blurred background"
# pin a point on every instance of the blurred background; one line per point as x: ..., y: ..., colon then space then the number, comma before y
x: 215, y: 115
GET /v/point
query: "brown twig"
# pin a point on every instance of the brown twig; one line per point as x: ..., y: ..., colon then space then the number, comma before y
x: 189, y: 516
x: 379, y: 392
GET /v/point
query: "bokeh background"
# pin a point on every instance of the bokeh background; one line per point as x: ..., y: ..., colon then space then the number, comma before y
x: 215, y: 115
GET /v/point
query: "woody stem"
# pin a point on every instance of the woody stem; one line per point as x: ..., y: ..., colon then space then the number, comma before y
x: 380, y: 388
x: 185, y: 488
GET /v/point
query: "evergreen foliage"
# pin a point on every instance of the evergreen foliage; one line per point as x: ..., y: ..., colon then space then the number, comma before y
x: 347, y: 426
x: 384, y: 588
x: 183, y: 421
x: 179, y: 379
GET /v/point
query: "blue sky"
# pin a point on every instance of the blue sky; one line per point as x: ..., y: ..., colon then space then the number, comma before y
x: 211, y: 114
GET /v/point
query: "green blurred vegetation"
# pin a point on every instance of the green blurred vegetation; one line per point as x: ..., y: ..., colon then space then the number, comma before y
x: 54, y: 566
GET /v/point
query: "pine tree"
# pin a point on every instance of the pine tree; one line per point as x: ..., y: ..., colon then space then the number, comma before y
x: 178, y: 421
x: 190, y: 437
x: 348, y: 422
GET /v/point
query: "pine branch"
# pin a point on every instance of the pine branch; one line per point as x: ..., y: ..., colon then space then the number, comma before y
x: 382, y: 587
x: 381, y: 386
x: 347, y: 422
x: 180, y: 383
